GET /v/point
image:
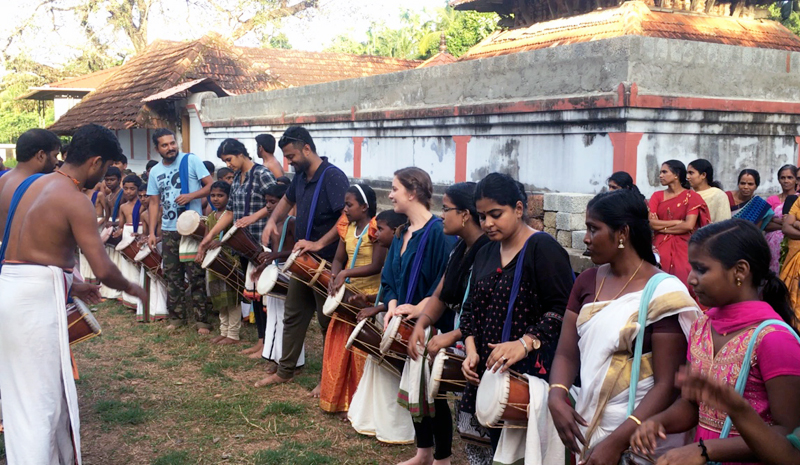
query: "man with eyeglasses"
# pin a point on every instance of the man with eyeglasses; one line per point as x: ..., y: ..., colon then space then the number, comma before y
x: 318, y: 190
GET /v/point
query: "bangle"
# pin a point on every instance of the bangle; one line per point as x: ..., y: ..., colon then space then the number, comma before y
x: 522, y: 341
x: 635, y: 420
x: 559, y: 386
x: 703, y: 451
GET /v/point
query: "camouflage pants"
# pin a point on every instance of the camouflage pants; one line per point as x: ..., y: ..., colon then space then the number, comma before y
x: 175, y: 273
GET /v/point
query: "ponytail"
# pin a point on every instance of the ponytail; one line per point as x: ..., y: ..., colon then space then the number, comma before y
x: 775, y: 293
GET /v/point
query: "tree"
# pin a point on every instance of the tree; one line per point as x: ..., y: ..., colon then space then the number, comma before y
x: 419, y: 39
x: 17, y: 116
x: 786, y: 14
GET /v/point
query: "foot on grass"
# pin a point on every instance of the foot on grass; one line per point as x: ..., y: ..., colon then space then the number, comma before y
x: 272, y: 367
x: 217, y: 339
x: 271, y: 380
x: 423, y: 457
x: 316, y: 391
x: 228, y: 341
x: 256, y: 349
x: 203, y: 331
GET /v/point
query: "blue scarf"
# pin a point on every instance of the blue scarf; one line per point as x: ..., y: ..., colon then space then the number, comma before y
x: 756, y: 211
x: 12, y: 209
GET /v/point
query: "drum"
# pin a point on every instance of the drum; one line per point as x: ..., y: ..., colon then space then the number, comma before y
x: 272, y: 282
x: 81, y: 324
x: 218, y: 264
x: 333, y: 306
x: 366, y: 337
x: 242, y: 242
x: 395, y: 338
x: 150, y: 259
x: 110, y: 240
x: 190, y: 223
x: 129, y: 248
x: 308, y: 269
x: 502, y: 397
x: 446, y: 374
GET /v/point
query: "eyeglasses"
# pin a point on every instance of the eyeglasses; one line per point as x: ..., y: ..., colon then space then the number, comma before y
x: 448, y: 209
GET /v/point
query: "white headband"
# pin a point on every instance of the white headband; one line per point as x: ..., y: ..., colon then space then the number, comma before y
x: 363, y: 196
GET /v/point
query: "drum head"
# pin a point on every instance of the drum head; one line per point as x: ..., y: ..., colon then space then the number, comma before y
x: 143, y: 252
x: 105, y: 234
x: 289, y: 262
x: 267, y: 280
x: 88, y: 317
x: 187, y: 222
x: 228, y: 234
x: 124, y: 243
x: 354, y: 334
x: 492, y: 397
x: 211, y: 255
x: 436, y: 373
x: 390, y: 333
x: 333, y: 302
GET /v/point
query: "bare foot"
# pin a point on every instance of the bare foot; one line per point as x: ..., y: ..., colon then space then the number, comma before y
x: 203, y: 331
x: 316, y: 392
x: 423, y: 457
x: 272, y: 379
x: 228, y: 341
x: 255, y: 355
x: 272, y: 367
x: 342, y: 416
x: 256, y: 349
x: 217, y: 339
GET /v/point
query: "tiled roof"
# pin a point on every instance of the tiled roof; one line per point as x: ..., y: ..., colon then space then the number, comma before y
x: 441, y: 58
x: 117, y: 102
x: 636, y: 18
x: 87, y: 81
x: 301, y: 68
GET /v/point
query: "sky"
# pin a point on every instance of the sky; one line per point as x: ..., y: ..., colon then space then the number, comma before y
x: 314, y: 32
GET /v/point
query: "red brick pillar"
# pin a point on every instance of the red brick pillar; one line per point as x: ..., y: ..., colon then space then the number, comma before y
x: 357, y: 142
x: 461, y: 157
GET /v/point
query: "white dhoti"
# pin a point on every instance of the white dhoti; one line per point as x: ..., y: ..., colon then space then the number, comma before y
x: 105, y: 291
x: 129, y: 269
x: 40, y: 403
x: 86, y: 270
x: 156, y: 307
x: 273, y: 336
x: 374, y: 410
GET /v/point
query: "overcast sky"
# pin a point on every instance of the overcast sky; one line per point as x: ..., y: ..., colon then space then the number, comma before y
x: 334, y: 17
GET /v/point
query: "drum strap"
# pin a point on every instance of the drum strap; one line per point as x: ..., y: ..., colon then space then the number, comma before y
x: 318, y: 272
x: 136, y: 215
x: 94, y: 197
x: 463, y: 302
x: 379, y: 295
x: 12, y: 209
x: 355, y: 252
x: 418, y: 256
x: 115, y: 212
x: 515, y: 290
x: 314, y: 199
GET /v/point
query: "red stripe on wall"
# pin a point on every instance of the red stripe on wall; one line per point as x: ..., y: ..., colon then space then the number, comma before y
x: 626, y: 148
x: 357, y: 142
x: 461, y: 157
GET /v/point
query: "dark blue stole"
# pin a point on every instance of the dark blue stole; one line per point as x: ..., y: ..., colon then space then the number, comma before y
x: 314, y: 200
x: 12, y: 210
x: 416, y: 265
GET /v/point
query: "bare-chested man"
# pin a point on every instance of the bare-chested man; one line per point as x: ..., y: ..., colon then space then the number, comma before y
x: 39, y: 400
x: 266, y: 151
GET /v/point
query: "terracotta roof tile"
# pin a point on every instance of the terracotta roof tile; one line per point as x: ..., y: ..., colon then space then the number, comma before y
x: 441, y: 58
x: 636, y: 18
x: 87, y: 81
x: 300, y: 68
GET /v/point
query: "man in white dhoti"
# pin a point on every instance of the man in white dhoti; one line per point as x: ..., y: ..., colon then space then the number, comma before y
x: 39, y: 399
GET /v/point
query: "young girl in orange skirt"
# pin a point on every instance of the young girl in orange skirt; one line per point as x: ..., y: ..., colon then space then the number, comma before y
x: 358, y: 264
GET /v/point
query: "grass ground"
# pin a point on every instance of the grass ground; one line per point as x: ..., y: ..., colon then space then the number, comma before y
x: 149, y: 397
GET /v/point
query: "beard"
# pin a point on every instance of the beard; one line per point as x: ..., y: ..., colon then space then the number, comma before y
x: 171, y: 155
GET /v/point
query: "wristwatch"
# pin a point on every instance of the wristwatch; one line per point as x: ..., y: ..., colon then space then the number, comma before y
x: 536, y: 344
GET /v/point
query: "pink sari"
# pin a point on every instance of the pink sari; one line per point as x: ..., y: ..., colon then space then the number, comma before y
x: 777, y: 354
x: 774, y: 238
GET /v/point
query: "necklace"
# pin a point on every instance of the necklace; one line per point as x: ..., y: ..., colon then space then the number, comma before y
x: 77, y: 183
x: 356, y: 234
x: 623, y: 287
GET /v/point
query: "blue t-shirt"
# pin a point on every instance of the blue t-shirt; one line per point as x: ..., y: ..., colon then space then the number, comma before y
x: 165, y: 181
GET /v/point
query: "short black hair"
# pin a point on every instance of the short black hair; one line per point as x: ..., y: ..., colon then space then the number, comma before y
x: 283, y: 180
x: 34, y: 140
x: 276, y: 190
x: 299, y: 137
x: 151, y: 164
x: 113, y: 172
x: 222, y: 172
x: 266, y: 142
x: 64, y: 149
x: 143, y: 187
x: 209, y: 166
x: 392, y: 219
x: 223, y: 186
x: 93, y: 140
x: 159, y: 133
x: 123, y: 159
x: 131, y: 178
x: 231, y: 147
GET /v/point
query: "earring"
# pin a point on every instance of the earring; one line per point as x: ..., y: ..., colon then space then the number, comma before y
x: 463, y: 222
x: 738, y: 282
x: 621, y: 245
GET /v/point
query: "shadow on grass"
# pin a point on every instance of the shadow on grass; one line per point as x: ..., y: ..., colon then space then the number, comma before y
x: 174, y: 458
x: 121, y: 413
x: 295, y: 453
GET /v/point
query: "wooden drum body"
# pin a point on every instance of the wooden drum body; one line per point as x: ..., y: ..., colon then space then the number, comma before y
x: 333, y: 305
x: 272, y: 282
x: 446, y: 374
x: 218, y: 264
x: 395, y: 339
x: 502, y: 397
x: 190, y: 223
x: 243, y: 243
x: 81, y: 324
x: 308, y: 269
x: 129, y: 248
x: 150, y: 259
x: 366, y: 337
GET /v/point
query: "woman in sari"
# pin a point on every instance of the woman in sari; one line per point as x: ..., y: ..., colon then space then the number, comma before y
x: 598, y: 334
x: 787, y: 178
x: 790, y: 272
x: 675, y: 213
x: 745, y: 204
x: 700, y: 175
x: 730, y: 274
